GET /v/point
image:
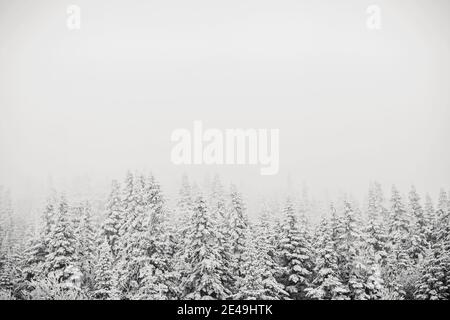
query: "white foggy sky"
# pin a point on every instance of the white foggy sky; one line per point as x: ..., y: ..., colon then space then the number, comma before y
x: 352, y: 105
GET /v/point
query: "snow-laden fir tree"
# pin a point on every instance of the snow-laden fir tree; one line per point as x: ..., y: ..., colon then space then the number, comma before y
x: 185, y: 204
x: 326, y: 284
x: 202, y: 279
x: 267, y: 246
x: 158, y: 275
x: 114, y: 219
x: 442, y: 210
x: 39, y: 245
x: 374, y: 286
x: 375, y: 230
x: 249, y: 285
x: 183, y: 213
x: 86, y: 250
x: 238, y: 224
x: 11, y: 275
x: 134, y: 238
x: 6, y: 234
x: 105, y: 275
x: 434, y: 283
x: 257, y: 281
x: 419, y: 230
x: 295, y: 254
x: 6, y: 272
x: 430, y: 217
x: 2, y: 218
x: 220, y: 217
x: 399, y: 261
x: 6, y: 220
x: 304, y: 226
x: 61, y: 259
x: 440, y: 253
x: 128, y: 204
x: 350, y: 246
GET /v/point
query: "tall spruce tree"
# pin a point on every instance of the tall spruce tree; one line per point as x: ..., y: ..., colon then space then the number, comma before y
x: 267, y: 246
x: 296, y: 258
x: 105, y: 275
x: 61, y: 258
x: 257, y: 281
x: 238, y: 224
x: 399, y: 246
x: 429, y: 214
x: 202, y: 279
x: 375, y: 229
x: 419, y: 229
x: 158, y: 275
x: 220, y: 217
x: 352, y: 266
x: 87, y: 245
x: 134, y: 241
x: 114, y: 219
x: 326, y: 284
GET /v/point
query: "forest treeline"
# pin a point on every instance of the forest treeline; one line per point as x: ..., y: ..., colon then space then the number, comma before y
x: 206, y: 247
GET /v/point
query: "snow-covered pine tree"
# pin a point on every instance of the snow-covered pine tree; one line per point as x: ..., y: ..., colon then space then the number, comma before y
x: 185, y: 204
x: 87, y: 245
x: 274, y: 220
x: 305, y: 230
x: 267, y: 245
x: 217, y: 205
x: 6, y: 229
x: 105, y: 275
x: 203, y: 261
x: 6, y: 222
x: 399, y: 246
x: 249, y: 285
x: 8, y: 272
x: 352, y: 267
x: 257, y: 281
x: 62, y: 244
x: 375, y: 230
x: 265, y: 227
x: 154, y: 201
x: 443, y: 237
x: 39, y: 245
x: 3, y: 223
x: 182, y: 217
x: 75, y: 216
x: 158, y: 276
x: 296, y: 258
x: 419, y: 229
x: 441, y: 215
x: 430, y: 218
x: 374, y: 287
x: 216, y: 199
x: 434, y: 283
x: 238, y: 224
x: 326, y: 284
x: 114, y: 219
x: 2, y: 218
x: 134, y: 241
x: 128, y: 204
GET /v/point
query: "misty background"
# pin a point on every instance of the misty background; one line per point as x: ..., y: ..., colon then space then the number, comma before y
x: 80, y: 107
